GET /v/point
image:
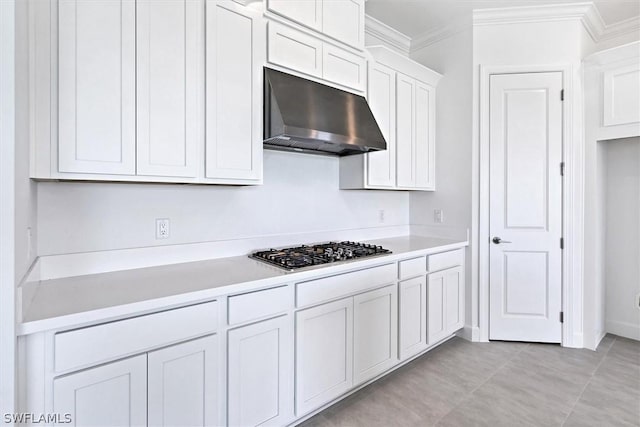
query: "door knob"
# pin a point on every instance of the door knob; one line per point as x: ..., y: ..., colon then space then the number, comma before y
x: 498, y: 240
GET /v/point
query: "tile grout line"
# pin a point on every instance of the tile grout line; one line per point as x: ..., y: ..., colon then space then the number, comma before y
x: 468, y: 394
x: 587, y: 383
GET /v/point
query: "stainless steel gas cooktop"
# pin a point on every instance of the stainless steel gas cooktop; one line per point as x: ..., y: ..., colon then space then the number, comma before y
x: 291, y: 259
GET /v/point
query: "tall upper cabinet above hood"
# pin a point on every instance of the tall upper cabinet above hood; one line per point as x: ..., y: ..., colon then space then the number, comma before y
x: 302, y: 115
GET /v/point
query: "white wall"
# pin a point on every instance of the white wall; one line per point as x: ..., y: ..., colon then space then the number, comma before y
x: 451, y: 57
x: 300, y: 194
x: 622, y: 248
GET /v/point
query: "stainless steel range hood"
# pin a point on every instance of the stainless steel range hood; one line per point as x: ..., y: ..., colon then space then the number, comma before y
x: 302, y: 115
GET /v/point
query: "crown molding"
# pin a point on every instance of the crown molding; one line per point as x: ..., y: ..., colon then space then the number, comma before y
x: 428, y: 38
x: 586, y: 13
x: 394, y: 38
x: 622, y: 28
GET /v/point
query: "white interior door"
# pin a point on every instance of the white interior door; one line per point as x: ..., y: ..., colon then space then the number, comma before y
x: 525, y: 207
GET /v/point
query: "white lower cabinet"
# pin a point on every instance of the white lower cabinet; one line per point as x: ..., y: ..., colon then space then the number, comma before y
x: 413, y: 316
x: 445, y: 303
x: 260, y: 373
x: 375, y: 333
x: 113, y: 395
x: 183, y: 384
x: 324, y: 354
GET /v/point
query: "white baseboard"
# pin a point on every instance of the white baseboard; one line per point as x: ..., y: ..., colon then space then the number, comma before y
x: 78, y: 264
x: 599, y: 337
x: 623, y: 329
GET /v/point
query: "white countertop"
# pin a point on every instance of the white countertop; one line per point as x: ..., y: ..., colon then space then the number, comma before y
x: 82, y: 300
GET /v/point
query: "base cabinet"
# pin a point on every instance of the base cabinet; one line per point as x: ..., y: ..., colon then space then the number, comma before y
x: 324, y: 354
x: 413, y: 317
x: 183, y: 384
x: 260, y: 364
x: 114, y: 394
x: 445, y: 303
x: 375, y: 333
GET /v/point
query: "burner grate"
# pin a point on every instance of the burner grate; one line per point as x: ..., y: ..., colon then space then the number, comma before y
x: 325, y: 253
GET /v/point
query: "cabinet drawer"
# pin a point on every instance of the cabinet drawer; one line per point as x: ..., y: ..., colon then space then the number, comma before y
x: 319, y: 290
x: 413, y: 267
x: 343, y: 68
x: 444, y: 260
x: 293, y: 49
x: 96, y: 344
x: 255, y: 305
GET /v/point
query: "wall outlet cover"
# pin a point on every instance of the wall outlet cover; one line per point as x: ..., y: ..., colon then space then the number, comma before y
x: 162, y: 228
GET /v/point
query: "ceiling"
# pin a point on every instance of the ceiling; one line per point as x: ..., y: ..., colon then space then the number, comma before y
x: 415, y: 17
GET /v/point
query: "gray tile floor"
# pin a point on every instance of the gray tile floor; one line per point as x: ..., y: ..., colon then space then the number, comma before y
x: 501, y: 384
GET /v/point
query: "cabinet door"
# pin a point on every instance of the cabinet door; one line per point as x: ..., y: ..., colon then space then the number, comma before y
x: 183, y: 384
x: 343, y: 68
x: 436, y: 311
x: 405, y: 116
x: 96, y: 87
x: 170, y: 55
x: 425, y: 126
x: 260, y: 373
x: 413, y: 316
x: 375, y: 332
x: 294, y: 49
x: 114, y: 394
x: 235, y: 52
x: 344, y: 21
x: 381, y: 165
x: 454, y: 285
x: 620, y: 89
x: 305, y: 12
x: 324, y: 354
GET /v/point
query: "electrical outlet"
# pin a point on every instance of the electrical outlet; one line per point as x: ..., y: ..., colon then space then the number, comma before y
x: 438, y: 216
x: 381, y: 216
x: 162, y: 228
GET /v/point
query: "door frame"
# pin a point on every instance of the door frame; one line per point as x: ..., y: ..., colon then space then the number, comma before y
x: 572, y: 199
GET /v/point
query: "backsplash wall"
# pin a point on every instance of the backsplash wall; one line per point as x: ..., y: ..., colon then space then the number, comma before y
x: 300, y: 194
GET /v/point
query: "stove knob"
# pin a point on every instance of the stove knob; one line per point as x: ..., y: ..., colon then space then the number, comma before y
x: 348, y: 253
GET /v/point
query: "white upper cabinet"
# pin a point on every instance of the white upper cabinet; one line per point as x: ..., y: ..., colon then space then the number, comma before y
x: 294, y: 49
x: 343, y: 20
x: 304, y: 12
x: 402, y: 97
x: 96, y: 86
x: 128, y: 98
x: 381, y: 165
x: 235, y: 54
x: 170, y: 52
x: 621, y: 100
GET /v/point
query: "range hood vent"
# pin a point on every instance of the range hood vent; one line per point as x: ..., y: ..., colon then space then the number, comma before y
x: 302, y: 115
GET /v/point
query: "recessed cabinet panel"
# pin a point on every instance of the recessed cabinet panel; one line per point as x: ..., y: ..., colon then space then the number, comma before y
x: 344, y: 21
x: 405, y: 113
x: 413, y: 311
x: 621, y: 101
x: 324, y: 354
x: 375, y: 332
x: 235, y: 54
x: 113, y: 395
x: 436, y: 321
x: 343, y: 68
x: 294, y: 49
x: 424, y: 157
x: 305, y: 12
x: 260, y: 373
x: 454, y: 284
x: 96, y: 87
x: 170, y: 54
x: 183, y: 384
x: 381, y: 165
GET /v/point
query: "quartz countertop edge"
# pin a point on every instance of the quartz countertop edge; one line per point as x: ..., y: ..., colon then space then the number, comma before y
x: 80, y: 301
